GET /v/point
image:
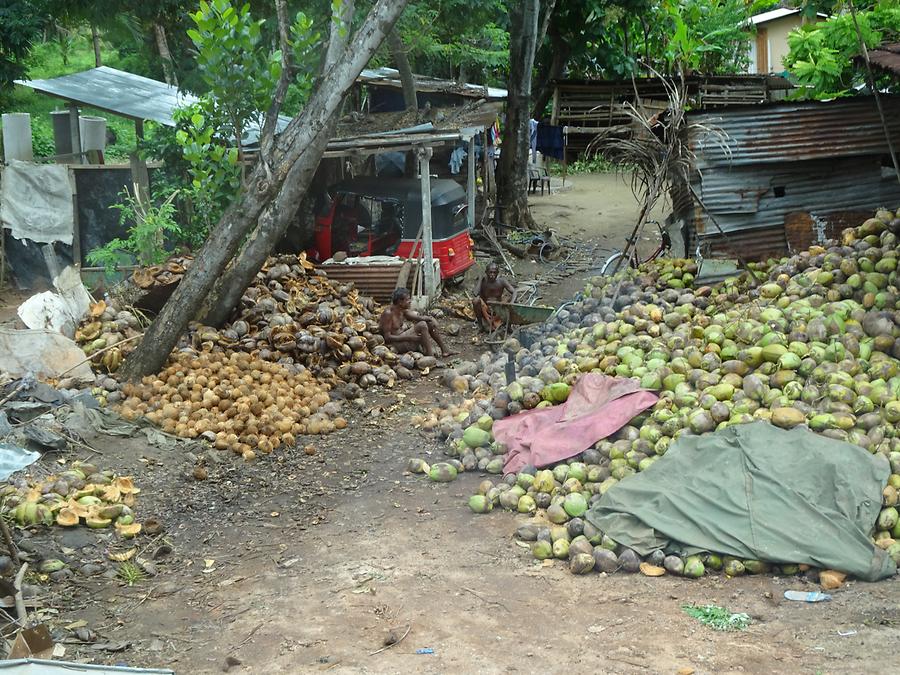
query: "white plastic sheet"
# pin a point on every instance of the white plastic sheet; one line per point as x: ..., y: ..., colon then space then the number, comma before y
x: 36, y: 202
x: 60, y: 311
x: 42, y: 353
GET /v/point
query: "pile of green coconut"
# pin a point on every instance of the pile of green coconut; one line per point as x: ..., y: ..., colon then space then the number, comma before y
x: 806, y: 341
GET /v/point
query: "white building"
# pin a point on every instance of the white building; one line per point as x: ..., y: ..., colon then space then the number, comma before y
x: 770, y: 47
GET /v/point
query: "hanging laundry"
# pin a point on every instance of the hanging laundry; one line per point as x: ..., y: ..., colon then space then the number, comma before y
x: 456, y: 159
x: 548, y: 139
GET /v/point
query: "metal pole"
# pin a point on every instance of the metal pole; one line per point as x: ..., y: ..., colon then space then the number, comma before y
x: 424, y: 155
x: 75, y: 131
x: 865, y: 52
x: 470, y: 184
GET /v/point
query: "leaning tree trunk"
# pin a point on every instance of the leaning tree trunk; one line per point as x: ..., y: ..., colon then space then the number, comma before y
x: 512, y: 183
x: 277, y: 217
x: 162, y: 44
x: 296, y: 150
x: 95, y: 42
x: 407, y: 79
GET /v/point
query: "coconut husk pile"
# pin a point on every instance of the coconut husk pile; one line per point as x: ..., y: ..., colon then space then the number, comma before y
x: 296, y: 340
x: 294, y: 314
x: 808, y: 341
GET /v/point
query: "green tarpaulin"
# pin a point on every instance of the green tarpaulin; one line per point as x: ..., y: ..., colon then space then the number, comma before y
x: 757, y: 492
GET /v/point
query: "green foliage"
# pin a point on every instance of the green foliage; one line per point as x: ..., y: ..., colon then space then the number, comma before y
x: 130, y: 573
x: 21, y: 24
x: 240, y: 74
x: 710, y: 36
x: 591, y: 164
x: 212, y: 167
x: 148, y: 225
x: 821, y: 56
x: 717, y: 618
x: 449, y: 38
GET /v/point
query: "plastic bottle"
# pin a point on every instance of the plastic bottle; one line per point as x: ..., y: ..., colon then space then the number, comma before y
x: 803, y: 596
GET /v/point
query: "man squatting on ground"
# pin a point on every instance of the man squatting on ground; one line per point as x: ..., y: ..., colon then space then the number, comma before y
x: 402, y: 337
x: 490, y: 287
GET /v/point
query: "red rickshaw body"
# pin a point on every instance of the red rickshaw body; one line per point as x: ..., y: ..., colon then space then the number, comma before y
x: 382, y: 216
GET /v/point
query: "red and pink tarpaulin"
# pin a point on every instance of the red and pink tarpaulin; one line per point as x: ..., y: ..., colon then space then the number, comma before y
x: 597, y: 407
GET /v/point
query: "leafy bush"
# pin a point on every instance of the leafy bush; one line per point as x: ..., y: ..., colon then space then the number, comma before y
x: 821, y: 56
x: 148, y: 226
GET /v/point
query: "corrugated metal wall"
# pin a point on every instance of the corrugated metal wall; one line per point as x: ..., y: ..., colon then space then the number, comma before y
x: 821, y: 161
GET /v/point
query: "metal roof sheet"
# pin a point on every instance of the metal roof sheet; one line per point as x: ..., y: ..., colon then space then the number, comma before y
x: 886, y: 57
x: 772, y: 15
x: 117, y: 92
x: 787, y: 132
x: 128, y: 95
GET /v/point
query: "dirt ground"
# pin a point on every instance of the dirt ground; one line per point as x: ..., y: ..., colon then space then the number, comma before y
x: 305, y: 563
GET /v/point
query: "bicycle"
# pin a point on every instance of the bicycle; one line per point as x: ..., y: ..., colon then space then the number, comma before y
x: 641, y: 249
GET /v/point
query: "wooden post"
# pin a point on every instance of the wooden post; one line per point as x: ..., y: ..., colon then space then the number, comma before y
x: 75, y: 131
x: 424, y: 155
x: 76, y: 225
x: 554, y: 115
x: 470, y: 183
x: 139, y: 174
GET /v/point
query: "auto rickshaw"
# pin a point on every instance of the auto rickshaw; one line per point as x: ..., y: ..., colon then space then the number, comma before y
x: 382, y: 216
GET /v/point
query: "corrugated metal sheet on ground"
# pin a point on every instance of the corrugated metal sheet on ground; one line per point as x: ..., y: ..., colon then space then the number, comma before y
x: 788, y: 132
x: 748, y: 244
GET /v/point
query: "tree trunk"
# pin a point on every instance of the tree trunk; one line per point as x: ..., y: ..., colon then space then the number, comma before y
x: 560, y: 51
x: 296, y: 154
x: 277, y: 218
x: 267, y: 136
x: 546, y: 16
x: 162, y: 44
x: 512, y: 183
x: 95, y: 40
x: 407, y: 79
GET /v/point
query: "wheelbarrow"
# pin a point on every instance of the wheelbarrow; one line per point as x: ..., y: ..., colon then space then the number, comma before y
x: 512, y: 315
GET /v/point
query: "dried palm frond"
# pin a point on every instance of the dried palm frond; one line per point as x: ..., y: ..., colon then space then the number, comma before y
x: 653, y: 147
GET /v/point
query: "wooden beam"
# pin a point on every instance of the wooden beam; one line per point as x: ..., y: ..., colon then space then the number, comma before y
x: 424, y: 155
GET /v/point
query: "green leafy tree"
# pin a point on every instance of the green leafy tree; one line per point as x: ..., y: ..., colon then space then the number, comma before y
x: 21, y: 25
x: 456, y: 39
x: 235, y: 65
x: 822, y: 55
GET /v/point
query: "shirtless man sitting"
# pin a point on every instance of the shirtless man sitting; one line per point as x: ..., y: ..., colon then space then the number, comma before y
x: 490, y: 287
x: 402, y: 337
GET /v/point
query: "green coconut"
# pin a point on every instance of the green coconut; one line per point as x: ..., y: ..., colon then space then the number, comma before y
x: 442, y: 472
x: 575, y: 505
x: 480, y: 504
x: 542, y: 550
x: 475, y: 437
x: 581, y: 563
x: 693, y: 567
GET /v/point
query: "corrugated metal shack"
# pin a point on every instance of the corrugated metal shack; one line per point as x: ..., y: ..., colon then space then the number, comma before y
x: 779, y: 177
x: 587, y: 107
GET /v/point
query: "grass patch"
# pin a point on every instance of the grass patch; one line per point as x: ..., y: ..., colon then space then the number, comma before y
x: 717, y: 618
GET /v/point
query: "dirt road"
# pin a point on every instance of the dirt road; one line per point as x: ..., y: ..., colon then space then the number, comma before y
x: 306, y: 563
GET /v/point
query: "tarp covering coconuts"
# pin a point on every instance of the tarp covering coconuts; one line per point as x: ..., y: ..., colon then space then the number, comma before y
x: 755, y: 492
x: 597, y: 407
x: 807, y: 342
